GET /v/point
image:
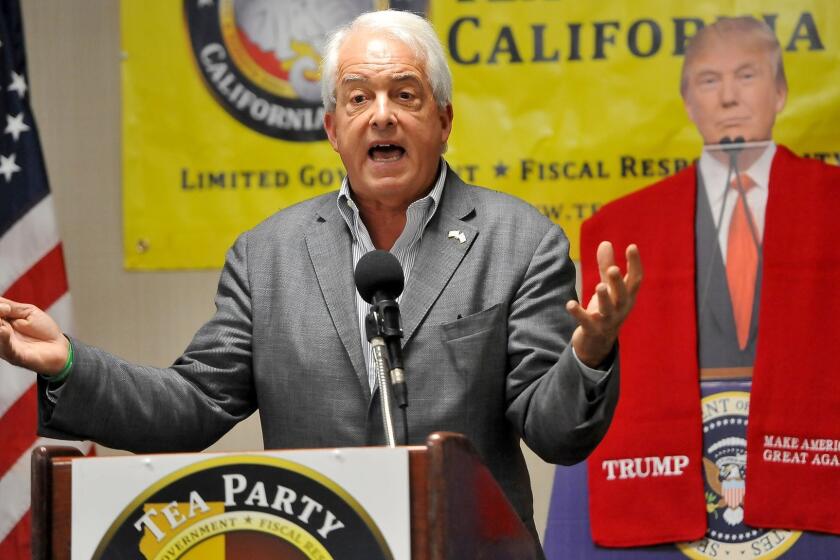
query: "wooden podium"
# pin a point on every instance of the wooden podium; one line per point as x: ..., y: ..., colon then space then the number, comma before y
x: 458, y: 510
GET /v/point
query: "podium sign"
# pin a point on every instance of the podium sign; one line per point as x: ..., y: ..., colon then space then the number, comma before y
x: 304, y: 504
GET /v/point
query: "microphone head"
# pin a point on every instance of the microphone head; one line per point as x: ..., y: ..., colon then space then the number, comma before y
x: 732, y: 145
x: 379, y: 272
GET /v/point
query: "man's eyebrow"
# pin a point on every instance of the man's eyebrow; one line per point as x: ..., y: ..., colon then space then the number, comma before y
x: 406, y: 76
x: 349, y: 78
x: 708, y: 72
x: 398, y: 77
x: 746, y: 65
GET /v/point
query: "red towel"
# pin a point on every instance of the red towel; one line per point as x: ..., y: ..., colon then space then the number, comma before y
x: 645, y: 479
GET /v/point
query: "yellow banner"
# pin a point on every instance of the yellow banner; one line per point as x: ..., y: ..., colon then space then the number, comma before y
x: 566, y: 105
x: 221, y: 121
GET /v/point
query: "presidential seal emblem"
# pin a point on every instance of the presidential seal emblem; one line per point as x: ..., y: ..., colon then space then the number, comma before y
x: 259, y: 59
x: 244, y: 506
x: 725, y: 420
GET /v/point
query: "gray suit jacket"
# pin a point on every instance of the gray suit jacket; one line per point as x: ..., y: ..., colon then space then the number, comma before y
x: 486, y: 347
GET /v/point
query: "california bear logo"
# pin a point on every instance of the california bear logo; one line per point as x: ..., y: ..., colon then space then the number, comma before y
x: 725, y: 420
x: 260, y: 58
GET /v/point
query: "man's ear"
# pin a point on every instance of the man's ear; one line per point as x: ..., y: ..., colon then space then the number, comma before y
x: 689, y: 109
x: 446, y: 115
x: 781, y: 98
x: 329, y: 126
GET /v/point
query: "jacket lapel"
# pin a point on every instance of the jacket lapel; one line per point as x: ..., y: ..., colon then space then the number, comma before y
x: 328, y: 242
x: 439, y: 254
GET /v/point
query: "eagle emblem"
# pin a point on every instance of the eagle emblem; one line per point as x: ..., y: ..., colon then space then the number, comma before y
x: 726, y: 473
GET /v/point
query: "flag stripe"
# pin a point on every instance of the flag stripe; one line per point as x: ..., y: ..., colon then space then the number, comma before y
x: 32, y: 237
x: 17, y: 541
x: 16, y: 381
x: 42, y: 284
x: 14, y: 482
x: 22, y: 201
x: 19, y: 424
x: 15, y: 502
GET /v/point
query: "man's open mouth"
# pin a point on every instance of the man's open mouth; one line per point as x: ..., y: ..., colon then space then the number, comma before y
x: 386, y: 152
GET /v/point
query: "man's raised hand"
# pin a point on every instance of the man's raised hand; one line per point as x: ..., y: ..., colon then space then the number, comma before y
x: 600, y: 321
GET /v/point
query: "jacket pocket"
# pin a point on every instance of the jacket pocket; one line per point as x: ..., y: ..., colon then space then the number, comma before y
x: 482, y: 321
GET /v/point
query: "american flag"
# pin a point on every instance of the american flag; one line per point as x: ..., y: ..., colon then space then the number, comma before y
x: 31, y: 271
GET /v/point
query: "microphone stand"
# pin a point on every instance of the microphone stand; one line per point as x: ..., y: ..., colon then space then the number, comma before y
x: 733, y: 148
x: 384, y: 325
x: 373, y: 331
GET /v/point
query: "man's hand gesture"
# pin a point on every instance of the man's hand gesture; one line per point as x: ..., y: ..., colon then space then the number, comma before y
x: 614, y: 296
x: 31, y: 339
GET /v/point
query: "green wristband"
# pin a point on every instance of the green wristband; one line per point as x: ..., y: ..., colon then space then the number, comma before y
x: 62, y: 375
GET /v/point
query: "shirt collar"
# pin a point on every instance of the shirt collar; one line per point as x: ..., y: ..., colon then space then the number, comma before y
x: 350, y: 211
x: 714, y: 172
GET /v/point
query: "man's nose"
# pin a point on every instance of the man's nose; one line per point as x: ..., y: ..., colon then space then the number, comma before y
x: 729, y: 92
x: 384, y: 114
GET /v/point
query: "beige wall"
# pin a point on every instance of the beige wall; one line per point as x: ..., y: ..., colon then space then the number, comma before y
x: 149, y: 317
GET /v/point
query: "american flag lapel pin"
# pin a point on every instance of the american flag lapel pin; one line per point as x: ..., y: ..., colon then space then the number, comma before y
x: 457, y: 234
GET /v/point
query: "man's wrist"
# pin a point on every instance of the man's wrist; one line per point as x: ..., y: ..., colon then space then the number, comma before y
x: 594, y: 359
x: 65, y: 371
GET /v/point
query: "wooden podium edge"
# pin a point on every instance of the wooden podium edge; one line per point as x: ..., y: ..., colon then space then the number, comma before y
x: 44, y: 507
x: 462, y: 495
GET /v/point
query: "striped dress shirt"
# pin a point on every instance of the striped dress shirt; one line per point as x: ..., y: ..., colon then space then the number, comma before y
x: 418, y: 215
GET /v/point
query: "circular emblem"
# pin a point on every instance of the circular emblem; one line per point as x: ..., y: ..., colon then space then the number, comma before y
x: 260, y: 59
x: 244, y: 507
x: 725, y: 467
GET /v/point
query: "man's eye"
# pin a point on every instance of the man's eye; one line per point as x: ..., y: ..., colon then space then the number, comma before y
x: 359, y: 98
x: 406, y: 95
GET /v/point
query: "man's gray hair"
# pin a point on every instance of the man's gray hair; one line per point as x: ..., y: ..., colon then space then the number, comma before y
x: 410, y: 29
x: 745, y: 27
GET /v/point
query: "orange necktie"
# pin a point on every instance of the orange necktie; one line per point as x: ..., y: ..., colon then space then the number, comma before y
x: 742, y: 262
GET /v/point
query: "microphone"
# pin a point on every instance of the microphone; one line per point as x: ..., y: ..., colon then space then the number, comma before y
x: 732, y: 146
x: 379, y: 276
x: 380, y: 280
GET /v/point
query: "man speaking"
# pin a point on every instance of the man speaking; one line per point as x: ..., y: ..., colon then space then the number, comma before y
x: 495, y: 345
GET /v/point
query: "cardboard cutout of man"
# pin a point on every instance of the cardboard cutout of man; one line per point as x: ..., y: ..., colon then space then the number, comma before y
x: 740, y: 253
